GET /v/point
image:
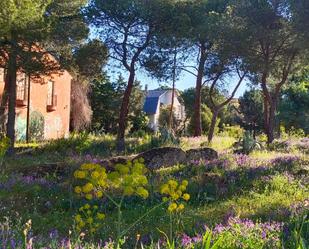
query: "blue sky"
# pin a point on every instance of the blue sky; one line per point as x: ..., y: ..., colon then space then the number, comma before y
x: 186, y: 80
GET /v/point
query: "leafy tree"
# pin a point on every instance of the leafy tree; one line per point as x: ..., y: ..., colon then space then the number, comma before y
x: 188, y: 96
x: 251, y: 107
x: 206, y: 19
x: 127, y: 27
x: 164, y: 118
x: 276, y: 48
x: 106, y: 97
x: 294, y: 104
x: 206, y: 121
x: 20, y: 23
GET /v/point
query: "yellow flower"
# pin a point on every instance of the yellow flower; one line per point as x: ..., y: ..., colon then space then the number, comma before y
x: 88, y: 187
x: 172, y: 207
x: 86, y: 206
x: 122, y: 169
x: 100, y: 216
x: 142, y: 192
x: 95, y: 207
x: 79, y: 174
x: 165, y: 199
x: 173, y: 184
x: 99, y: 194
x: 102, y: 183
x: 78, y: 189
x: 180, y: 207
x: 88, y: 166
x: 78, y: 218
x: 95, y: 174
x: 164, y: 189
x: 185, y: 183
x: 88, y: 196
x: 175, y: 197
x: 90, y: 220
x: 182, y: 188
x: 128, y: 191
x: 186, y: 197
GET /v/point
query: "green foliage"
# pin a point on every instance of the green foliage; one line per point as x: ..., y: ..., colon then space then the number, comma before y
x: 164, y: 137
x: 234, y: 131
x: 139, y: 122
x: 164, y: 118
x: 294, y: 104
x: 106, y: 97
x: 4, y: 145
x: 206, y: 121
x: 251, y: 107
x: 188, y: 96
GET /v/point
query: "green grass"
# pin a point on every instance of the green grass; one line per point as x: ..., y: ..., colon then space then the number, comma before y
x: 261, y: 196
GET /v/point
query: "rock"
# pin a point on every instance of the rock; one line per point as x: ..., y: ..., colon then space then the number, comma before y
x: 163, y: 157
x: 202, y: 154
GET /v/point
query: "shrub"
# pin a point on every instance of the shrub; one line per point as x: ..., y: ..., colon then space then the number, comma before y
x: 247, y: 144
x: 4, y: 145
x: 234, y: 131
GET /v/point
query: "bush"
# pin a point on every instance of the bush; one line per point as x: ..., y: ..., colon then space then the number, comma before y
x: 4, y: 145
x: 234, y: 131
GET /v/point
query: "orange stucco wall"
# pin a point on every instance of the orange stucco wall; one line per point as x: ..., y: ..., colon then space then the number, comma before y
x: 56, y: 123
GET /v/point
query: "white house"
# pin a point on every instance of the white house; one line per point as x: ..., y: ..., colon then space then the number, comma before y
x: 157, y: 98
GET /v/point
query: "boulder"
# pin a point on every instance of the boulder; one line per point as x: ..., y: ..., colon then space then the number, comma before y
x: 162, y: 157
x: 201, y: 154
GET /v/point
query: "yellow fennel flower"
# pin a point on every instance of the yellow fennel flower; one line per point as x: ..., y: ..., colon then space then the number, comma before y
x: 186, y: 197
x: 95, y: 174
x: 142, y: 192
x: 99, y: 194
x: 180, y: 207
x: 77, y: 189
x: 88, y: 196
x: 78, y: 218
x: 100, y: 216
x: 172, y: 207
x: 90, y: 220
x: 185, y: 183
x: 79, y: 174
x: 88, y: 187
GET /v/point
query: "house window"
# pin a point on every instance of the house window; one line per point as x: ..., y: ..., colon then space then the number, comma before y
x: 51, y: 96
x: 21, y: 89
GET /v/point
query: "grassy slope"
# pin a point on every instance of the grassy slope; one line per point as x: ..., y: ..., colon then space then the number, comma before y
x: 260, y: 196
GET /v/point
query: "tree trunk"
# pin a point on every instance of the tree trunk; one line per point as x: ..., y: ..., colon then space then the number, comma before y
x: 271, y: 120
x: 212, y: 125
x: 266, y: 115
x: 3, y: 105
x: 170, y: 123
x: 124, y: 110
x: 198, y: 91
x: 12, y: 71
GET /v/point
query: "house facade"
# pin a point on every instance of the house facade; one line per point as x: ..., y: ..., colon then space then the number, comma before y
x: 158, y: 98
x: 48, y: 101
